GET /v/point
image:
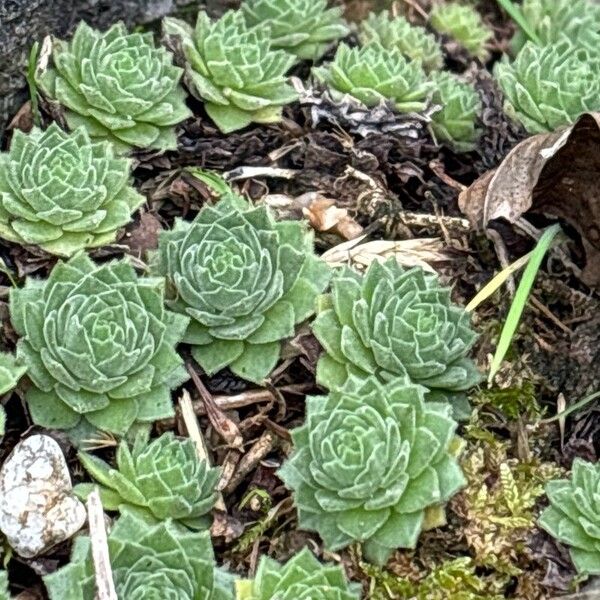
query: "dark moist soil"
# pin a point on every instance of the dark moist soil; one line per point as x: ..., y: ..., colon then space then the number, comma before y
x: 379, y: 167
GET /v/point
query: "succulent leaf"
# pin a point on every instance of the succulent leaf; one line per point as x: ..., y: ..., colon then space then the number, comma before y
x: 414, y: 42
x: 150, y: 561
x: 573, y: 516
x: 233, y: 69
x: 11, y: 370
x: 463, y: 24
x: 392, y: 323
x: 550, y: 87
x: 374, y: 74
x: 579, y: 20
x: 304, y: 28
x: 119, y: 85
x: 303, y: 577
x: 63, y: 193
x: 99, y: 345
x: 461, y: 106
x: 245, y: 281
x: 4, y: 593
x: 369, y: 463
x: 165, y: 478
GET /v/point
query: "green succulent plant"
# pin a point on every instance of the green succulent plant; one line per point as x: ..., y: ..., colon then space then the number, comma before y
x: 303, y: 577
x: 11, y: 370
x: 373, y: 463
x: 149, y: 561
x: 392, y: 323
x: 573, y: 516
x: 374, y: 74
x: 462, y: 23
x: 456, y: 122
x: 62, y: 192
x: 550, y: 20
x: 119, y: 85
x: 304, y: 28
x: 414, y: 42
x: 165, y: 478
x: 549, y: 87
x: 233, y: 69
x: 245, y: 281
x: 99, y: 345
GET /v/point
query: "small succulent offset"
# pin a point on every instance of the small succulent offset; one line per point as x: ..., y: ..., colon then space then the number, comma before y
x: 463, y: 24
x: 373, y: 463
x: 303, y: 577
x: 62, y: 192
x: 99, y: 345
x: 304, y: 28
x: 165, y: 478
x: 374, y: 74
x: 392, y: 323
x: 245, y: 281
x: 119, y: 85
x: 414, y: 42
x: 550, y: 87
x: 233, y: 69
x: 573, y: 516
x: 550, y: 20
x: 149, y: 561
x: 461, y: 106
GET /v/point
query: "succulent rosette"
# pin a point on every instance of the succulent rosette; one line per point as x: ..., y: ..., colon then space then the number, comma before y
x: 464, y: 24
x: 304, y: 28
x: 573, y: 516
x: 303, y: 577
x: 456, y: 121
x: 99, y: 345
x: 373, y: 463
x: 233, y: 69
x: 149, y: 561
x: 119, y: 85
x: 391, y: 323
x: 374, y: 74
x: 550, y: 20
x: 164, y: 477
x: 547, y: 87
x: 414, y: 42
x: 63, y: 193
x: 245, y: 281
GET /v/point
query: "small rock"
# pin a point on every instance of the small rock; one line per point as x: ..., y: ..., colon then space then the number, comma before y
x: 37, y: 508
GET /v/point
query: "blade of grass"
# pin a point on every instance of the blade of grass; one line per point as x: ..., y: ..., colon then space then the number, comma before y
x: 213, y: 180
x: 572, y: 408
x: 520, y: 299
x: 493, y: 284
x: 31, y: 83
x: 517, y: 16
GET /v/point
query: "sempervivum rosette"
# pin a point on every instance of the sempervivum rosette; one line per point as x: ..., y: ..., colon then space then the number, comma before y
x: 119, y: 85
x: 393, y: 322
x: 547, y: 87
x: 374, y: 74
x: 303, y: 577
x: 99, y: 345
x: 231, y: 66
x: 62, y: 192
x: 149, y: 561
x: 373, y: 464
x: 245, y: 281
x: 305, y: 28
x: 573, y: 516
x: 165, y: 478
